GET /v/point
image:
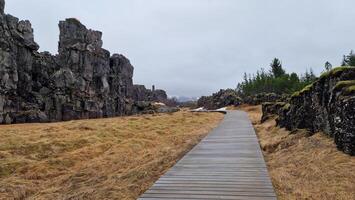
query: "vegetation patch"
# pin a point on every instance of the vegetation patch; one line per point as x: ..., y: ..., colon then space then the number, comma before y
x: 116, y: 158
x: 304, y: 90
x: 336, y: 71
x: 286, y: 106
x: 276, y: 81
x: 346, y: 86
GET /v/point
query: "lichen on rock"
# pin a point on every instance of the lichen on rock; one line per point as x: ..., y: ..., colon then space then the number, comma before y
x: 327, y: 105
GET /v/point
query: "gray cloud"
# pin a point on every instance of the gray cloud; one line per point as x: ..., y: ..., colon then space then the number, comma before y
x: 195, y: 47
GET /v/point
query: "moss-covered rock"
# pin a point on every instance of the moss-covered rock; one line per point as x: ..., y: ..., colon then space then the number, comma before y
x: 223, y: 98
x: 336, y: 71
x: 304, y: 90
x: 327, y: 105
x: 264, y: 98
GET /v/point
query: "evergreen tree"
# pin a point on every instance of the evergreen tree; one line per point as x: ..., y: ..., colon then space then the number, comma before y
x: 351, y: 59
x: 294, y: 78
x: 344, y: 61
x: 328, y: 66
x: 276, y: 68
x: 274, y: 81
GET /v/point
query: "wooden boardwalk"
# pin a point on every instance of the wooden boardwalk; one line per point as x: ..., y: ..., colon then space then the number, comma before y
x: 227, y: 164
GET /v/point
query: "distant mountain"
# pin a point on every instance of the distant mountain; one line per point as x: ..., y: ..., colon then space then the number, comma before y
x: 182, y: 99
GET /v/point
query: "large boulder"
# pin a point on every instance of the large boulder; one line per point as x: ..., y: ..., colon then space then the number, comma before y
x: 148, y: 107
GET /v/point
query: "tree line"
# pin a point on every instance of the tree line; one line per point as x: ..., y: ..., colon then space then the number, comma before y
x: 276, y: 80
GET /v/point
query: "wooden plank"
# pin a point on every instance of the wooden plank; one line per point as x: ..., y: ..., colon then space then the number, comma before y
x: 227, y: 164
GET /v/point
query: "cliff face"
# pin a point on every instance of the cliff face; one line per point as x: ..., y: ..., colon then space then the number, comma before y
x: 82, y: 81
x: 327, y: 105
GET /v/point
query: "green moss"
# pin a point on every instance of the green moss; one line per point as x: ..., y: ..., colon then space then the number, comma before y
x: 351, y: 89
x: 343, y: 84
x: 336, y: 71
x: 348, y: 87
x: 286, y: 106
x: 305, y: 89
x: 296, y: 94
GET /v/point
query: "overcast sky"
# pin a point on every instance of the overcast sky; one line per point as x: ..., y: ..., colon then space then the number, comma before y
x: 195, y: 47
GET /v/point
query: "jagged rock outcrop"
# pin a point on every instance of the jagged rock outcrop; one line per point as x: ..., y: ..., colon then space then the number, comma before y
x: 82, y: 81
x: 327, y: 105
x: 223, y: 98
x: 263, y: 98
x: 141, y: 93
x: 271, y: 109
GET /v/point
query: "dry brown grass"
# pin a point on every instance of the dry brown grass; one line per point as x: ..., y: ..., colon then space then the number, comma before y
x: 304, y: 166
x: 116, y: 158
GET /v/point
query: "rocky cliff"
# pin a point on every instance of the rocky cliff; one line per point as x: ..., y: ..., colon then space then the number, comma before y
x: 327, y: 105
x: 82, y: 81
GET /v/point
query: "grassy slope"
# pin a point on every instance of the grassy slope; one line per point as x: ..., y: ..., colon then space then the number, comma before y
x: 116, y: 158
x: 303, y: 166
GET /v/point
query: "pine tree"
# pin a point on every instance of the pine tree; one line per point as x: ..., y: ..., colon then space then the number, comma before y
x: 344, y: 61
x: 276, y: 68
x: 351, y: 59
x: 328, y: 66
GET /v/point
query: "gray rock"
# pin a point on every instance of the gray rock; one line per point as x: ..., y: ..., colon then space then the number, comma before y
x: 223, y: 98
x: 166, y: 109
x: 270, y: 109
x: 2, y: 6
x: 82, y: 81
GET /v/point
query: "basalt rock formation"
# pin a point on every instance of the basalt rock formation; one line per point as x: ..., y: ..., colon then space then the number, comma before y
x: 223, y: 98
x: 327, y: 105
x: 82, y: 81
x: 271, y: 109
x: 141, y: 93
x: 263, y: 98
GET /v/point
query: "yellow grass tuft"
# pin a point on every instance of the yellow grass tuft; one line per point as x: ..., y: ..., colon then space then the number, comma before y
x: 117, y: 158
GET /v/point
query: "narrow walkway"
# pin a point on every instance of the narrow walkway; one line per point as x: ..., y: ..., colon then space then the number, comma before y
x: 227, y: 164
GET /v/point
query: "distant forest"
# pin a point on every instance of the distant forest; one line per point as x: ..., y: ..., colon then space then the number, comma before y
x: 276, y: 80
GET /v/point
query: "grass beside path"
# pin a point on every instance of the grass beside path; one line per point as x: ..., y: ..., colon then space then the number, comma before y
x: 116, y: 158
x: 303, y: 165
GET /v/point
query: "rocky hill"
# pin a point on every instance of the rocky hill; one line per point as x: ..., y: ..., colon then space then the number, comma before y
x: 82, y: 81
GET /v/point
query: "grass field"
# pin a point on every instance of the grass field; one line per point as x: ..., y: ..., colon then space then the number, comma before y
x: 117, y: 158
x: 302, y: 165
